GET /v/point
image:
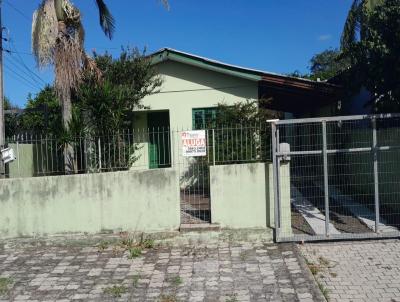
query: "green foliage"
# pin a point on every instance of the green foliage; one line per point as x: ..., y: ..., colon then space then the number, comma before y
x: 176, y: 281
x: 4, y: 285
x: 135, y: 280
x: 103, y: 245
x: 324, y: 290
x: 356, y: 24
x: 242, y: 133
x: 12, y: 121
x: 243, y: 113
x: 108, y: 103
x: 232, y: 298
x: 147, y: 243
x: 115, y: 291
x: 43, y: 113
x: 135, y: 252
x: 375, y: 59
x: 325, y: 65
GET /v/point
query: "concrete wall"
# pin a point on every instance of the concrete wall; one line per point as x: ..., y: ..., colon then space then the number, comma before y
x: 133, y: 201
x: 33, y: 160
x: 239, y: 195
x: 242, y: 196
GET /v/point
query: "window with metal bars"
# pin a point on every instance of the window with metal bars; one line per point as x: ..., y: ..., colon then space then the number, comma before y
x: 204, y: 118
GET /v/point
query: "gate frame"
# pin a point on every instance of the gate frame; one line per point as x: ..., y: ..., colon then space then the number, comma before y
x: 277, y: 156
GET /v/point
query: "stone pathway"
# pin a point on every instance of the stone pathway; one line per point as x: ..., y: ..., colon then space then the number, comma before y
x: 357, y: 271
x: 79, y: 271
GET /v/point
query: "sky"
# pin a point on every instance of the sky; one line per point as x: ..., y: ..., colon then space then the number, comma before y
x: 278, y: 36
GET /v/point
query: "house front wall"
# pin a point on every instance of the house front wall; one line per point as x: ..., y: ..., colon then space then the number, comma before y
x: 187, y: 87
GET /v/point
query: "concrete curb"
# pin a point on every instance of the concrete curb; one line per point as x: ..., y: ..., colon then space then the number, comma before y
x: 308, y: 275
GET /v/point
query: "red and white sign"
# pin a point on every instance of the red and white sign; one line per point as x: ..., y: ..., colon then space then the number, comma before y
x: 194, y: 143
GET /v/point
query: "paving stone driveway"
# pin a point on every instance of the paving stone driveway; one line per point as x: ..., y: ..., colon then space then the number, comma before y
x: 220, y: 272
x: 357, y: 271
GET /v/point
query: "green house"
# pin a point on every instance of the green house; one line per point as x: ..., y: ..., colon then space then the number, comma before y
x: 192, y: 88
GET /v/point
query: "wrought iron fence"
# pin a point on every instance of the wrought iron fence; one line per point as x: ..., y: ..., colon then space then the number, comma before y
x: 141, y: 149
x: 337, y: 178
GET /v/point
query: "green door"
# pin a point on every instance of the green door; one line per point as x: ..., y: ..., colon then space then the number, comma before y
x: 159, y: 139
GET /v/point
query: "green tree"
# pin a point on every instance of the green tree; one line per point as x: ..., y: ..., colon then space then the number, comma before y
x: 58, y: 39
x: 356, y: 25
x: 11, y: 119
x: 242, y: 133
x: 327, y: 64
x: 108, y: 103
x: 376, y: 60
x: 42, y: 113
x: 104, y: 106
x: 324, y: 65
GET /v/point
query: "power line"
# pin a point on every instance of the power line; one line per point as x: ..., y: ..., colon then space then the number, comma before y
x: 21, y: 62
x: 23, y: 72
x: 21, y: 82
x: 27, y: 80
x: 19, y: 52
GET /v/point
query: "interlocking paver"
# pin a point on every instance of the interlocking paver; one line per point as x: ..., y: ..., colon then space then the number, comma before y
x: 50, y: 271
x: 357, y: 271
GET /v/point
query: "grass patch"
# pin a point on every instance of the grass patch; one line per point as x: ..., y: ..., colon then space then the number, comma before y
x: 147, y: 243
x: 243, y: 255
x: 115, y: 291
x: 323, y: 261
x: 314, y: 268
x: 176, y: 281
x: 4, y: 283
x: 127, y: 243
x: 135, y: 280
x: 232, y: 298
x: 103, y: 245
x: 168, y: 298
x: 134, y: 252
x: 324, y: 290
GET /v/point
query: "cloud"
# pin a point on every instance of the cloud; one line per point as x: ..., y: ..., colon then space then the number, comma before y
x: 324, y: 37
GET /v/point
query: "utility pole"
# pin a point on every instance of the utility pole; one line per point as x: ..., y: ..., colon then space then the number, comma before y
x: 2, y: 120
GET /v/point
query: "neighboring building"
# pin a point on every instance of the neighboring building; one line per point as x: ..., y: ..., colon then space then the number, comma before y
x: 194, y: 86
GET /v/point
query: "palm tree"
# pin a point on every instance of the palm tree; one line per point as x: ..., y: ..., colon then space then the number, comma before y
x: 355, y: 25
x: 58, y: 40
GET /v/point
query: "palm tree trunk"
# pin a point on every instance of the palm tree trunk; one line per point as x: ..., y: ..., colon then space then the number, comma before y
x: 70, y: 164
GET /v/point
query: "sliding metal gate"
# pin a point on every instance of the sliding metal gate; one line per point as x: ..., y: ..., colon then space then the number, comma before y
x: 337, y: 177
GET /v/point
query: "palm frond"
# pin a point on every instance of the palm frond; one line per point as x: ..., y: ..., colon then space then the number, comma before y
x: 107, y: 21
x: 68, y: 60
x: 44, y: 33
x: 352, y: 25
x: 372, y: 4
